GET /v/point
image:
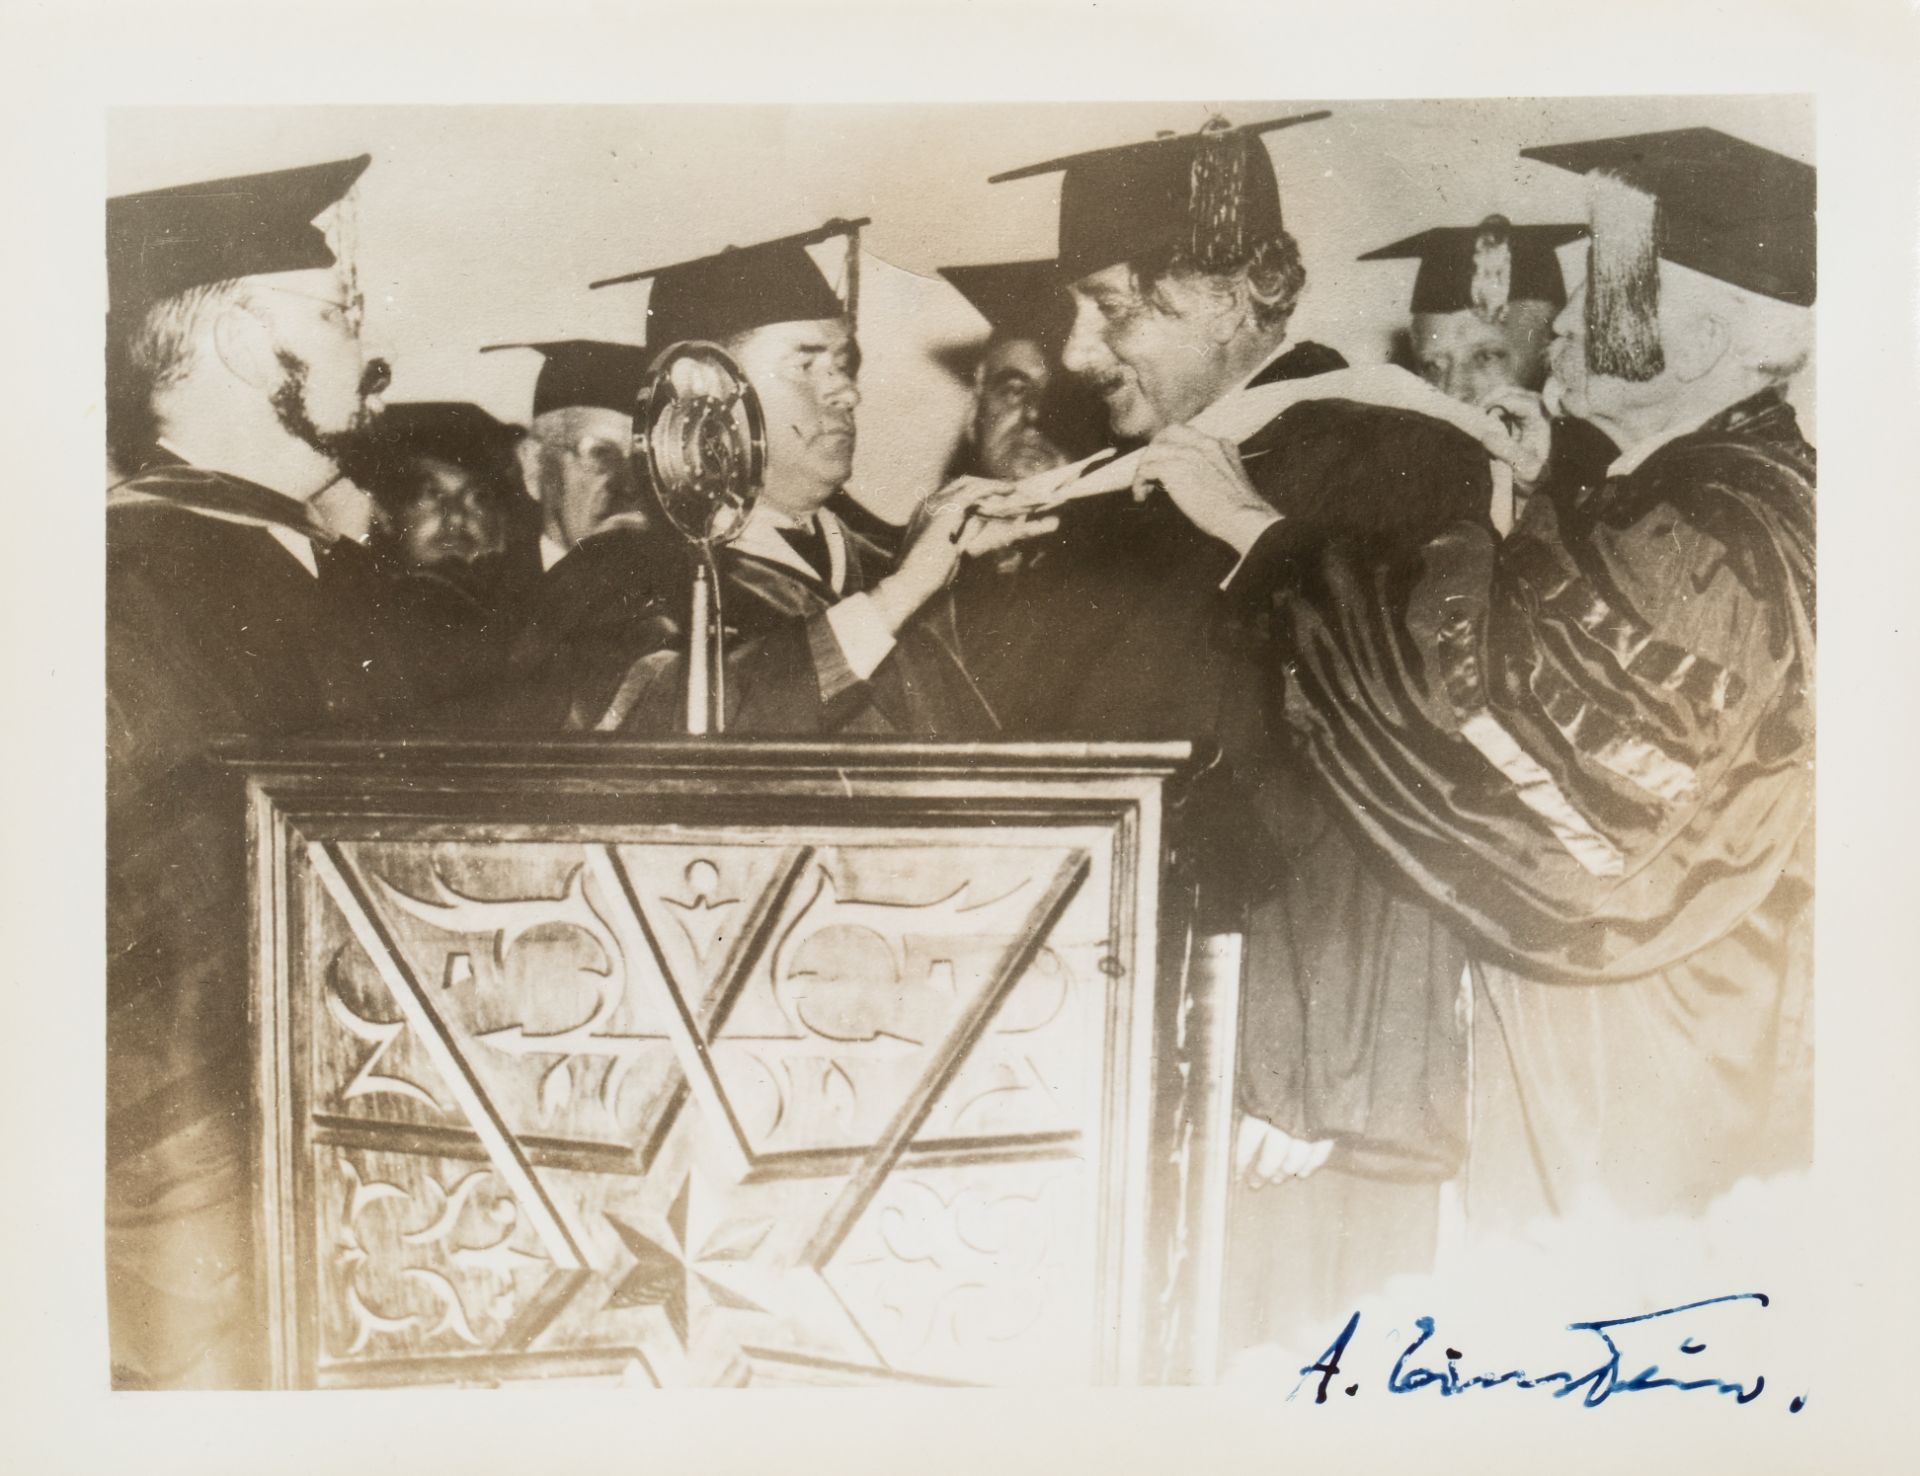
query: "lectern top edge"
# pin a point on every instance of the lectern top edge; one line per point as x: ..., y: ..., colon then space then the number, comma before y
x: 592, y: 751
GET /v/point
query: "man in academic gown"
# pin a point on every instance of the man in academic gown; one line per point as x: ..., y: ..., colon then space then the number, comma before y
x: 458, y: 539
x: 1481, y: 321
x: 1184, y: 281
x: 235, y: 379
x: 825, y: 633
x: 1028, y: 415
x: 1590, y: 745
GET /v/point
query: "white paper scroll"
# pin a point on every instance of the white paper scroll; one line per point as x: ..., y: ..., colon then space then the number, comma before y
x: 1240, y: 414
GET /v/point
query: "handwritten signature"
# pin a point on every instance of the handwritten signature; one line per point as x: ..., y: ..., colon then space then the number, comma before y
x: 1625, y: 1341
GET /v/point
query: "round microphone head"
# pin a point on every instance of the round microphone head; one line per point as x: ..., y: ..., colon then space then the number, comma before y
x: 700, y: 437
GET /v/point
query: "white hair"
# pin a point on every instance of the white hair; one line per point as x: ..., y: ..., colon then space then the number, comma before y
x: 152, y: 352
x: 1772, y: 338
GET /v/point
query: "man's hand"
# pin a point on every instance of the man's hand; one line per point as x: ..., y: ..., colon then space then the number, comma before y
x: 967, y: 491
x: 1204, y: 477
x: 1264, y: 1155
x: 944, y: 530
x: 1528, y: 434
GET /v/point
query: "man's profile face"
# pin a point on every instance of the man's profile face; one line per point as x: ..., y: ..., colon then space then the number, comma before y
x: 1154, y: 361
x: 580, y: 470
x: 805, y: 374
x: 1008, y: 443
x: 1463, y: 355
x: 313, y: 323
x: 1604, y: 399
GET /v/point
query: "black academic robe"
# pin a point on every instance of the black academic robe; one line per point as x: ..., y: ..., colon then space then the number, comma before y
x: 605, y: 649
x: 456, y: 621
x: 1121, y: 630
x: 1590, y: 746
x: 213, y: 630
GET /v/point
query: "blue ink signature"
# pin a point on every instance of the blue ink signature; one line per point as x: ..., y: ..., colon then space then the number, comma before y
x: 1595, y: 1385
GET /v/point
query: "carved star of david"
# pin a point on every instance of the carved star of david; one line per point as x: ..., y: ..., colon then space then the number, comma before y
x: 665, y: 1277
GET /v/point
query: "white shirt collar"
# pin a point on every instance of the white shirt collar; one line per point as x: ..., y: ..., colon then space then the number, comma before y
x: 1631, y: 459
x: 761, y: 538
x: 552, y: 551
x: 297, y: 544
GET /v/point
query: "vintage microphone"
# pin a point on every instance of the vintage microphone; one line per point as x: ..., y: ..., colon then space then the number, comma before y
x: 700, y: 437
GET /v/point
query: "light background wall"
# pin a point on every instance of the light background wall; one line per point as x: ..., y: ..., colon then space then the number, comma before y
x: 484, y: 224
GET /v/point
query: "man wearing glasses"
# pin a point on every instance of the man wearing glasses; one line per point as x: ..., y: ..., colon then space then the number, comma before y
x: 235, y: 382
x: 575, y: 458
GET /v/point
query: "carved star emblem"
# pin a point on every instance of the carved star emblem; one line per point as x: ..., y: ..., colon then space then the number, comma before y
x: 667, y: 1276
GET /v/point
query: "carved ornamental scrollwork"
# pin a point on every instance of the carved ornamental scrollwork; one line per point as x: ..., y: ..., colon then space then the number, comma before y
x: 818, y: 1103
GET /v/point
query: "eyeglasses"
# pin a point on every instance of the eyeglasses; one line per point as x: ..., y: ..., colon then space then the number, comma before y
x: 594, y: 451
x: 350, y: 314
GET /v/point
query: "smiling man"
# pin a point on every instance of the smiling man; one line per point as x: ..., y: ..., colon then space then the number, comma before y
x: 235, y: 382
x: 1184, y: 281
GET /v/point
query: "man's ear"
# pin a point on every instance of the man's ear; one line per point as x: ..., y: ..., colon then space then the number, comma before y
x: 242, y: 344
x: 527, y: 451
x: 1233, y: 310
x: 1705, y: 344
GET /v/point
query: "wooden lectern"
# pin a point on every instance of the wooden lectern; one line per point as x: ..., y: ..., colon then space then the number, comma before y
x: 733, y: 1062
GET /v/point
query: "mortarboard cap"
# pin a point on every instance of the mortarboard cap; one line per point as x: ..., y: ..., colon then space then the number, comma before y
x: 741, y: 288
x: 1725, y: 207
x: 164, y: 242
x: 453, y: 431
x: 584, y: 371
x: 1482, y: 268
x: 1209, y: 195
x: 1020, y: 299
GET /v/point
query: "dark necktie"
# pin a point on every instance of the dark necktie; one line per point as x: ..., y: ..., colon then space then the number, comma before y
x: 811, y: 544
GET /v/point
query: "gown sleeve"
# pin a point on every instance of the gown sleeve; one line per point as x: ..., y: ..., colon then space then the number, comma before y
x: 1590, y: 745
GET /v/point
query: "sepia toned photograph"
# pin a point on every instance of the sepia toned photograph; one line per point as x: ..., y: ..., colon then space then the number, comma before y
x: 1046, y: 785
x: 1027, y: 745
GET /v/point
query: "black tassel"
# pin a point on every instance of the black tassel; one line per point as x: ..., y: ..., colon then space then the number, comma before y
x: 1217, y: 197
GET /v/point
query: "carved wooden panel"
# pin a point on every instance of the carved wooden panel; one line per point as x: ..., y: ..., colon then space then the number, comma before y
x: 729, y: 1064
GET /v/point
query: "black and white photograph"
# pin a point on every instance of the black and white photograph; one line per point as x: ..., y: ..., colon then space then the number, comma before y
x: 924, y: 745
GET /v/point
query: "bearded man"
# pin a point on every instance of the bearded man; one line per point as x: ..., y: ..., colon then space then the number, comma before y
x: 1027, y: 414
x: 235, y: 383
